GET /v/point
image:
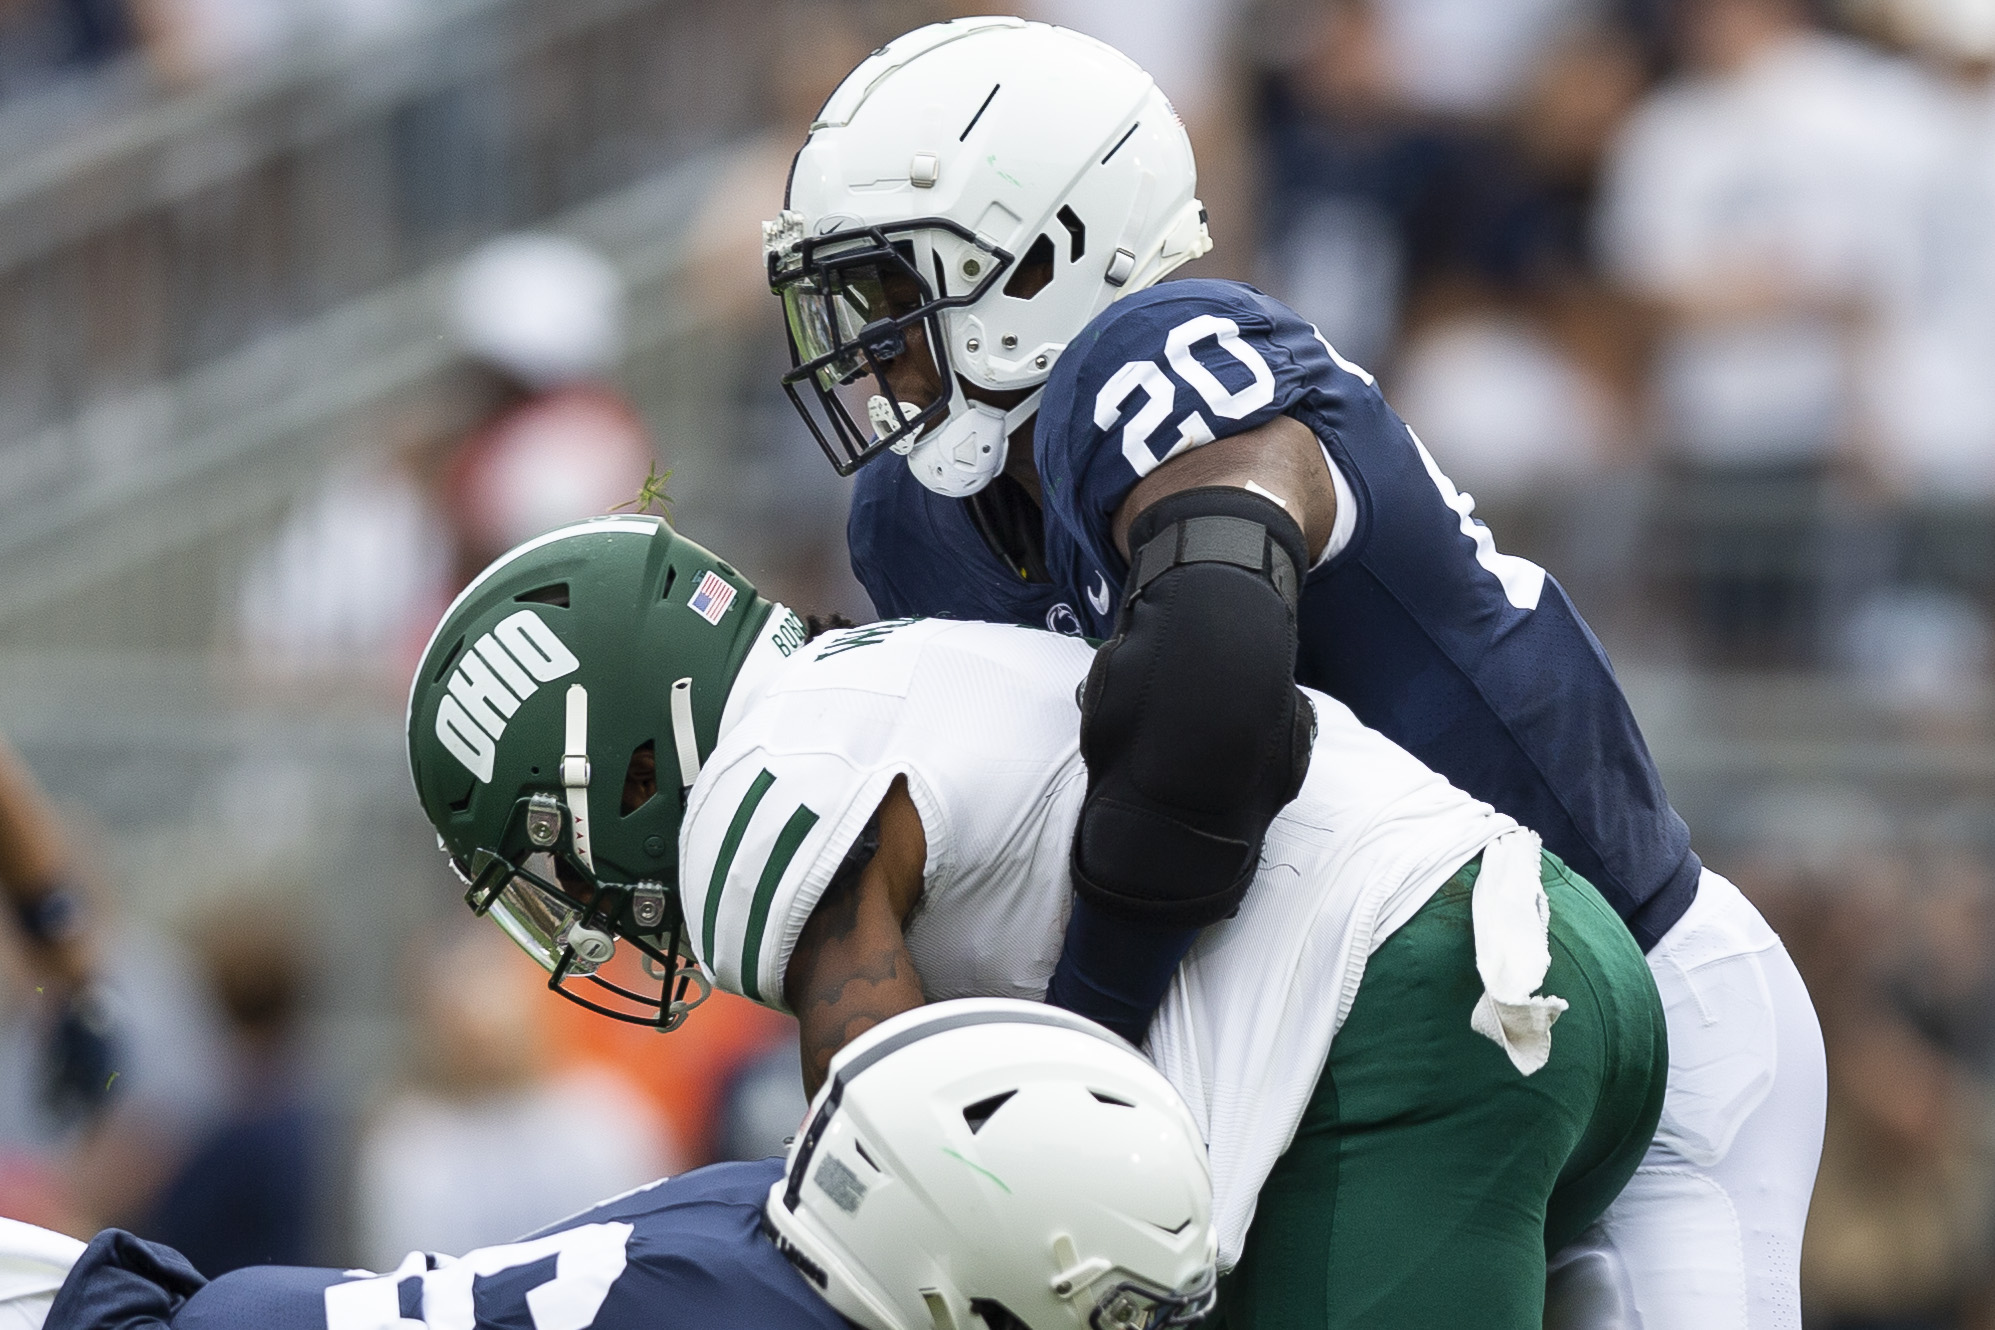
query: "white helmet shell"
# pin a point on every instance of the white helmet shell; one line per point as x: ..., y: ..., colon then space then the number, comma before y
x: 544, y: 308
x: 1042, y: 143
x: 990, y: 1150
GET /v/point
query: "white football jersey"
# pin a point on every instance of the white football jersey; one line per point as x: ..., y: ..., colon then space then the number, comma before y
x: 984, y: 723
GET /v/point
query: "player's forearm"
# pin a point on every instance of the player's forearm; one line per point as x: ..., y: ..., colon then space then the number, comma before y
x: 1195, y: 737
x: 849, y: 972
x: 32, y: 859
x: 35, y: 876
x: 1116, y: 971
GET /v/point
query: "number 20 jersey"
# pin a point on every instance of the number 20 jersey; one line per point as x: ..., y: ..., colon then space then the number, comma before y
x: 1473, y: 660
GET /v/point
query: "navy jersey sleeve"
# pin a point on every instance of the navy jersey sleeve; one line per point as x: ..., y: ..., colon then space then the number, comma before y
x: 686, y: 1254
x: 1472, y: 659
x: 919, y: 555
x: 122, y: 1282
x: 1155, y: 375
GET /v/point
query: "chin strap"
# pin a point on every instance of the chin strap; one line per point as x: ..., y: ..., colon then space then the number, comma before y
x: 968, y: 450
x: 575, y: 771
x: 683, y: 737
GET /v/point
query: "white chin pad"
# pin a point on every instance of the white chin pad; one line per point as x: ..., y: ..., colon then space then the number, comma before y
x: 969, y: 449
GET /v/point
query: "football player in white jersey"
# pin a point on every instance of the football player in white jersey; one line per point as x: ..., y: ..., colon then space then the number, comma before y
x: 618, y: 740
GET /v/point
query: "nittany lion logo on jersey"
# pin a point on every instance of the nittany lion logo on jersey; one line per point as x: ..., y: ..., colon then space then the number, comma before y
x: 498, y: 672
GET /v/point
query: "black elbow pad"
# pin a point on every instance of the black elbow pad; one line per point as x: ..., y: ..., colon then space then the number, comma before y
x: 1193, y: 730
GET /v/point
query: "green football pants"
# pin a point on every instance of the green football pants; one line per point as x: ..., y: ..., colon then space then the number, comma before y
x: 1428, y: 1179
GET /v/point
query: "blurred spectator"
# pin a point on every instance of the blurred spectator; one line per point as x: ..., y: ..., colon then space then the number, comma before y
x: 355, y: 579
x: 250, y: 1192
x: 42, y: 41
x: 544, y: 315
x: 52, y: 918
x: 1502, y: 405
x: 189, y: 40
x: 484, y: 1143
x: 1472, y: 58
x: 689, y: 1075
x: 1899, y: 1229
x: 1767, y: 202
x: 761, y: 484
x: 1928, y: 386
x: 1895, y: 948
x: 110, y: 1064
x: 363, y: 567
x: 1389, y: 177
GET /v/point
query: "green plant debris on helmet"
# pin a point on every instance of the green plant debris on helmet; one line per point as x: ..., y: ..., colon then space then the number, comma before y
x: 561, y: 711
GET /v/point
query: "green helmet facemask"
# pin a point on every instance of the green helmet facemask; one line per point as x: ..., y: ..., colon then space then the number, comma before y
x: 560, y: 713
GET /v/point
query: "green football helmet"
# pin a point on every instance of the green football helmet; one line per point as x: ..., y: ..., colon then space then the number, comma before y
x: 560, y: 695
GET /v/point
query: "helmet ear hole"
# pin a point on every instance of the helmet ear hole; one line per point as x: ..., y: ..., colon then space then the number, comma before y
x: 1035, y: 271
x: 640, y: 778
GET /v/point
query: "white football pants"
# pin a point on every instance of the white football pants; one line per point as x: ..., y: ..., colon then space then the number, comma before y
x: 33, y: 1263
x: 1707, y: 1235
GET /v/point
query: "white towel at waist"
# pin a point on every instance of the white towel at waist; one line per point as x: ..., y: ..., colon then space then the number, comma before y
x: 1513, y: 951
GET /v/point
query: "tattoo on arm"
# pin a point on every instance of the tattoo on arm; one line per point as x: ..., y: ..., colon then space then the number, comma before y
x: 850, y: 969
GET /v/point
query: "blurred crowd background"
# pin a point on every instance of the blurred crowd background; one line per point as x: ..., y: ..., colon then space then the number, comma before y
x: 308, y: 308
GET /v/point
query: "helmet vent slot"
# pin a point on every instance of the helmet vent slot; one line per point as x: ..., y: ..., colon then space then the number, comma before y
x: 1119, y: 142
x: 996, y: 1315
x: 860, y: 1146
x: 1078, y: 232
x: 1035, y: 270
x: 671, y: 576
x: 983, y: 1110
x: 554, y: 593
x: 980, y: 113
x: 449, y: 659
x: 640, y: 778
x: 462, y: 805
x: 1106, y: 1098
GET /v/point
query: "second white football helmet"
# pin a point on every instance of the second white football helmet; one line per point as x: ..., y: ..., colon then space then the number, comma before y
x: 998, y: 1163
x: 972, y: 194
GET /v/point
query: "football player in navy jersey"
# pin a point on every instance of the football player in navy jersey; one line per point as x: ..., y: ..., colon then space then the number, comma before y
x: 967, y: 260
x: 938, y: 1181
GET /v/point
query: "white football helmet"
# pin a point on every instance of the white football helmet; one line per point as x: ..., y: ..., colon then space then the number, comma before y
x: 972, y: 194
x: 989, y: 1163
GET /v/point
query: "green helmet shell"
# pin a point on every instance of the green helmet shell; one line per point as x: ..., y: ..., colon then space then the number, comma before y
x: 572, y: 646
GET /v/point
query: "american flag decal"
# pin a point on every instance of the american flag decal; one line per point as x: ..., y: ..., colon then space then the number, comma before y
x: 711, y: 598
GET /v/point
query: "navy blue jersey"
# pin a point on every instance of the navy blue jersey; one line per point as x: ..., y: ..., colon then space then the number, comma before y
x: 1473, y: 660
x: 920, y: 555
x: 687, y: 1253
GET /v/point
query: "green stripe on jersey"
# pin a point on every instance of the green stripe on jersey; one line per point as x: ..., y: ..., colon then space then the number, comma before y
x: 787, y: 841
x: 730, y: 845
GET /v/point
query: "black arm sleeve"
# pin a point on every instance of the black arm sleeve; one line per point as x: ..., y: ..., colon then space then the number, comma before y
x: 1195, y: 736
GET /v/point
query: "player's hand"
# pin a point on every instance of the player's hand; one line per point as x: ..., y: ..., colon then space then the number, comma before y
x: 80, y: 1056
